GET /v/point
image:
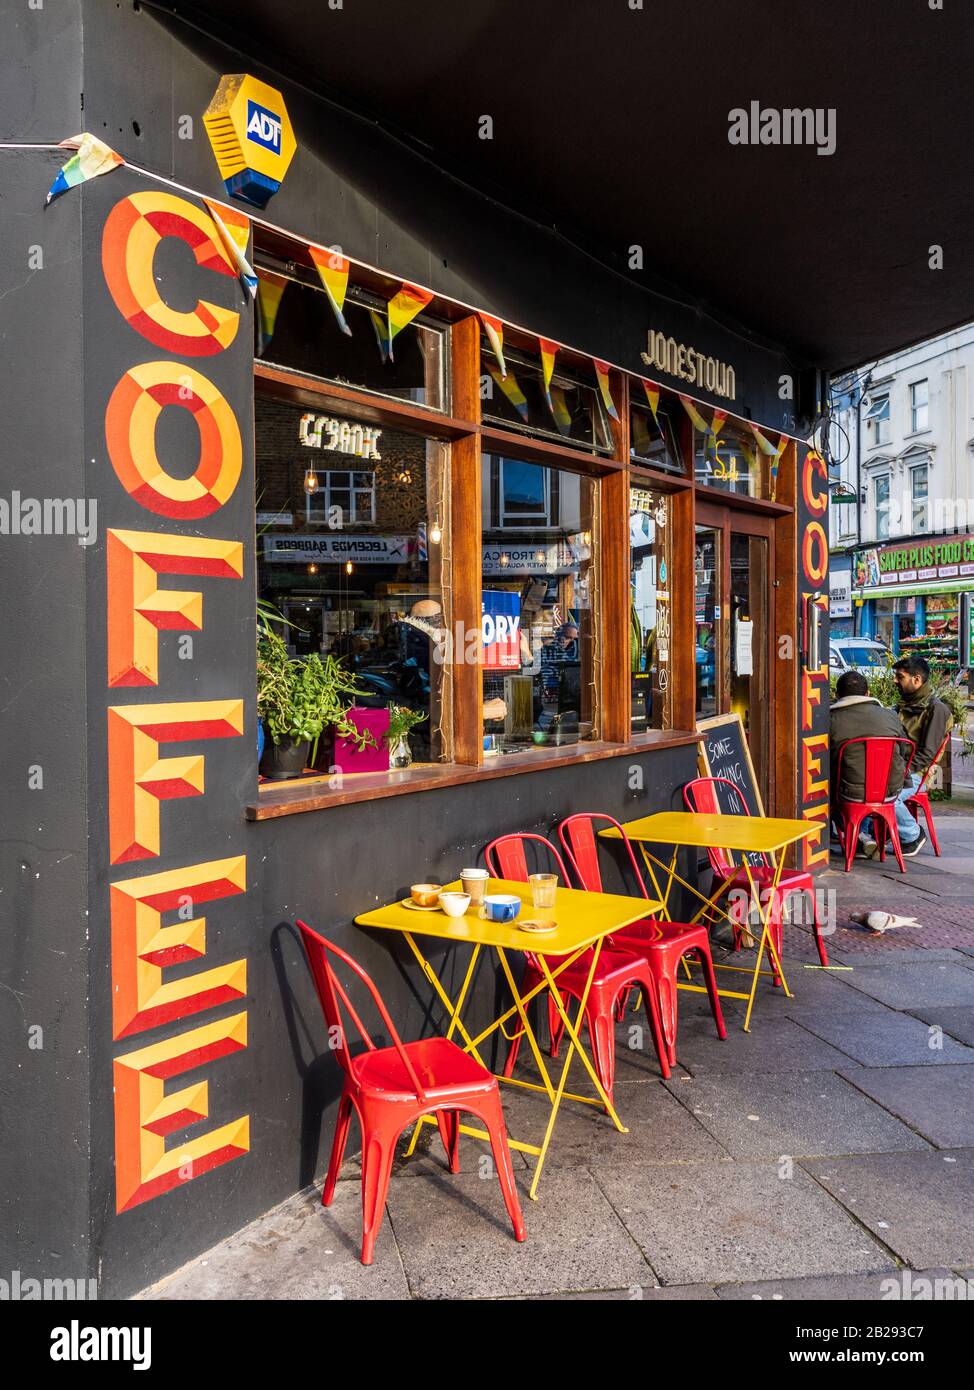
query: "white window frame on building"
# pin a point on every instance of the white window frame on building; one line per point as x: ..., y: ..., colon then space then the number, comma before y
x: 318, y: 505
x: 878, y: 415
x: 882, y: 532
x: 919, y: 406
x: 916, y: 471
x: 544, y: 517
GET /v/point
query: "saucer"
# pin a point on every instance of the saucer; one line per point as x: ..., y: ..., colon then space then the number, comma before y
x: 539, y: 926
x: 415, y: 907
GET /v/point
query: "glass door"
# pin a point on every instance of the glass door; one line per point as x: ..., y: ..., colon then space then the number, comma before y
x: 733, y: 623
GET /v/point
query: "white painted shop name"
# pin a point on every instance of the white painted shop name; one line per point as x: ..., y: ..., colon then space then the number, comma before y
x: 341, y: 436
x: 689, y: 365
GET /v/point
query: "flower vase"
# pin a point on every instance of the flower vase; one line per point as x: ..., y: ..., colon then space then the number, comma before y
x: 400, y: 754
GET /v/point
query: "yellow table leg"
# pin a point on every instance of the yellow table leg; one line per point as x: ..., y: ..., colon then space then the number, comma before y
x: 765, y: 935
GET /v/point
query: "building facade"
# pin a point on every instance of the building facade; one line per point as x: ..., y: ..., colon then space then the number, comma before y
x: 902, y: 520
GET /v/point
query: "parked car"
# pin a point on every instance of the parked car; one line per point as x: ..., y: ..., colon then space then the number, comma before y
x: 856, y: 654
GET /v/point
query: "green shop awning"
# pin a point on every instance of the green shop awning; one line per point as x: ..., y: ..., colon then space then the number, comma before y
x: 947, y: 586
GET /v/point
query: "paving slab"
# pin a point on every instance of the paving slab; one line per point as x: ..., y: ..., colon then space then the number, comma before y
x: 774, y: 1044
x: 938, y: 1102
x: 915, y: 984
x: 773, y: 1114
x: 920, y: 1205
x: 455, y: 1240
x: 675, y: 1293
x: 884, y: 1286
x: 958, y: 1020
x: 886, y: 1040
x: 299, y: 1250
x: 715, y: 1223
x: 812, y: 991
x: 660, y: 1129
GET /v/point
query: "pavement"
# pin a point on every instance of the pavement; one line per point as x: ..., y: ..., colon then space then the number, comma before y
x: 828, y: 1153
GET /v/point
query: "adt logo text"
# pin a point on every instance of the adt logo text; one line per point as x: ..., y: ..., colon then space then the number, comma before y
x: 263, y: 127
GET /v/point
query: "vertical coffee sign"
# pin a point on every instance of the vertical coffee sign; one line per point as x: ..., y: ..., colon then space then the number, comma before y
x: 812, y: 515
x: 168, y: 386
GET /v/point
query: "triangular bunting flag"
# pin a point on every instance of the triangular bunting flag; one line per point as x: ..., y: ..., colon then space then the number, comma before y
x: 548, y: 351
x: 233, y: 228
x: 652, y: 395
x: 602, y: 377
x: 717, y: 423
x: 270, y: 287
x: 93, y: 157
x: 495, y: 336
x: 332, y: 267
x: 509, y: 387
x: 381, y: 335
x: 763, y: 442
x: 403, y: 308
x: 699, y: 422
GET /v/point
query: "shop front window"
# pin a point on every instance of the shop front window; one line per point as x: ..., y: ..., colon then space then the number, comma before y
x: 729, y: 460
x: 655, y: 437
x: 539, y: 603
x: 650, y: 632
x: 296, y: 328
x: 571, y: 411
x: 353, y: 556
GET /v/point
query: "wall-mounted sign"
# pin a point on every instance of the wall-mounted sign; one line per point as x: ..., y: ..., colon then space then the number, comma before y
x: 251, y: 136
x: 336, y: 549
x: 689, y: 365
x: 840, y: 593
x: 891, y: 565
x: 501, y: 630
x: 341, y: 436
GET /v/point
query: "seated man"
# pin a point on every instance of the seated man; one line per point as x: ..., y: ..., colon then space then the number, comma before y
x: 857, y: 714
x: 927, y: 721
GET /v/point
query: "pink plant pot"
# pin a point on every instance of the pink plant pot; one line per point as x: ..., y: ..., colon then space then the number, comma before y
x: 347, y: 758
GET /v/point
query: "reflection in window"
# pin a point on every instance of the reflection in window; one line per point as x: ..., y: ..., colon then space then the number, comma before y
x: 730, y: 461
x: 573, y: 414
x: 303, y: 335
x: 359, y: 566
x: 655, y: 439
x: 650, y: 635
x: 539, y: 606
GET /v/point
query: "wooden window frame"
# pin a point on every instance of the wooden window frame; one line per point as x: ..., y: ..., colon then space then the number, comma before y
x: 471, y: 439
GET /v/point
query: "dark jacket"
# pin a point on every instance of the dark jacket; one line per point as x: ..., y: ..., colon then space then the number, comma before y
x: 927, y: 721
x: 862, y: 716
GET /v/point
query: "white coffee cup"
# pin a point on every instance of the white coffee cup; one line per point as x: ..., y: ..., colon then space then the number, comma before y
x: 454, y: 904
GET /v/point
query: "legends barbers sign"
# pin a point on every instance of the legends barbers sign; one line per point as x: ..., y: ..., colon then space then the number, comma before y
x: 689, y: 365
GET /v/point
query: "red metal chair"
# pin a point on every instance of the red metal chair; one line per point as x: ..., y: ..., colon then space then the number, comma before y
x: 391, y: 1087
x: 701, y: 795
x: 662, y: 944
x: 617, y: 972
x: 875, y: 802
x: 920, y: 800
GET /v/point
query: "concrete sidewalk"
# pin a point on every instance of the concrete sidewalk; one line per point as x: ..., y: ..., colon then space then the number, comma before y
x: 823, y: 1155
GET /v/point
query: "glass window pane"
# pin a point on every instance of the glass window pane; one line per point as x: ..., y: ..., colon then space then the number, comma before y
x: 368, y: 585
x: 730, y: 461
x: 650, y: 654
x: 571, y: 412
x: 655, y: 438
x: 303, y: 335
x: 539, y: 605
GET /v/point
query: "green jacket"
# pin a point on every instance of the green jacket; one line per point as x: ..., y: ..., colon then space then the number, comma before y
x: 862, y: 716
x: 927, y: 721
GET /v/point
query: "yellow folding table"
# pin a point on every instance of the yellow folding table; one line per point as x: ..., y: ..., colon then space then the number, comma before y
x: 766, y: 835
x: 584, y: 921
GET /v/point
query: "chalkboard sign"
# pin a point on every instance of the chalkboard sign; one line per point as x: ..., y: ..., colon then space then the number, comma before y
x: 723, y: 752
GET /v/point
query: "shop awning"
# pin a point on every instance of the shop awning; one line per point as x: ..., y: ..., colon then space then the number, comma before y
x: 954, y: 586
x: 610, y: 123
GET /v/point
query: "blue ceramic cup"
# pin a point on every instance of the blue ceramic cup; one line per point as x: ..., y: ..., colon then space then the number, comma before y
x: 500, y: 907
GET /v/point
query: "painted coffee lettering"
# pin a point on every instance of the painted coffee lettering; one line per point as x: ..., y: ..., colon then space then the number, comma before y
x: 813, y: 554
x: 143, y: 946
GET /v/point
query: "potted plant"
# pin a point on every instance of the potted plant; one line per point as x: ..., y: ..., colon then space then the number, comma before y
x: 402, y: 720
x: 297, y: 698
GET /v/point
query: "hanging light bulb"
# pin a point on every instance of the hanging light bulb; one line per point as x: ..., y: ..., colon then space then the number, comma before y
x: 504, y: 559
x: 586, y: 538
x: 310, y: 481
x: 312, y: 569
x: 539, y: 557
x: 436, y: 533
x: 348, y: 567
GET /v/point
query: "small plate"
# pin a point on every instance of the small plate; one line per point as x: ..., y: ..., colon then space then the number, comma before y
x: 415, y: 907
x: 538, y: 926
